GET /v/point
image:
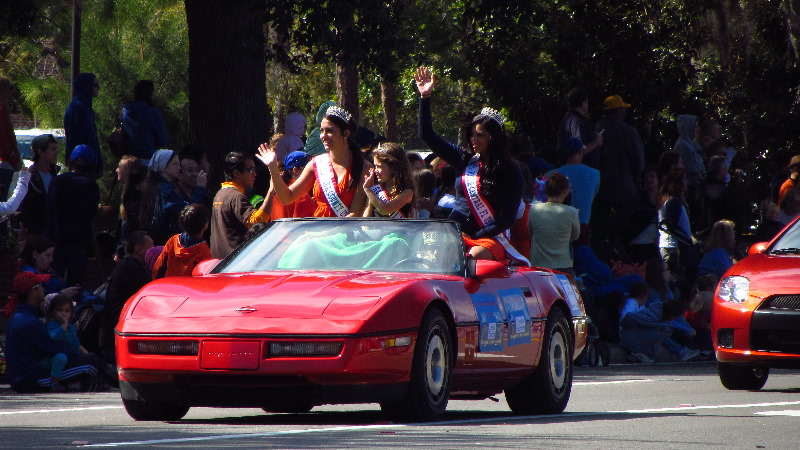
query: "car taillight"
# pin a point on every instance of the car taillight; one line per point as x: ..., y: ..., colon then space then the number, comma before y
x: 182, y: 348
x: 733, y: 289
x: 277, y: 349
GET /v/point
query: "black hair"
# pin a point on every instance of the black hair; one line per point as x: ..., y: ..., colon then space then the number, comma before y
x: 234, y: 161
x: 56, y: 303
x: 357, y: 163
x: 576, y: 97
x: 135, y: 238
x: 41, y: 143
x: 143, y: 91
x: 35, y: 243
x: 498, y: 153
x: 666, y: 161
x: 637, y: 289
x: 193, y: 151
x: 193, y: 218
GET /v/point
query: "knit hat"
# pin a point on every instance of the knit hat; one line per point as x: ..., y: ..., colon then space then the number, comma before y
x: 83, y: 152
x: 615, y: 101
x: 26, y: 280
x: 295, y: 159
x: 159, y: 160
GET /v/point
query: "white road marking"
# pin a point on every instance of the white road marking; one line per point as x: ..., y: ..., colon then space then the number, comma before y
x: 45, y: 411
x: 785, y: 412
x: 592, y: 383
x: 449, y: 422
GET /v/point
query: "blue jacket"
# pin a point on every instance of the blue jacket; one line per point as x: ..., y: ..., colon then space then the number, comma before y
x: 144, y: 129
x: 643, y: 331
x: 168, y: 207
x: 80, y: 126
x: 27, y: 344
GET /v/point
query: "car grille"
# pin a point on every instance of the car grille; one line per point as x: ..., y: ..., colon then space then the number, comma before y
x: 776, y: 341
x: 783, y: 302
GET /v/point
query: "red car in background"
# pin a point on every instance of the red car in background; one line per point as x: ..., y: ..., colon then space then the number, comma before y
x: 318, y: 311
x: 755, y: 321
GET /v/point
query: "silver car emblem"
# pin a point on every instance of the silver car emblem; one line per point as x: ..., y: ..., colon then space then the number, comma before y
x: 246, y: 309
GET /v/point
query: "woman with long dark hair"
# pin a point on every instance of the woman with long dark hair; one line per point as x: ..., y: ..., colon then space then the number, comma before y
x: 334, y: 176
x: 489, y: 184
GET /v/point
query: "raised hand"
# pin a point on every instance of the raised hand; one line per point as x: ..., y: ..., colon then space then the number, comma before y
x: 202, y: 179
x: 425, y: 81
x: 369, y: 180
x: 266, y: 154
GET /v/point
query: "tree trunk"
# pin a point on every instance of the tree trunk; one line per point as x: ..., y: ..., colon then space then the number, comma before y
x: 389, y: 103
x: 346, y: 63
x: 227, y: 93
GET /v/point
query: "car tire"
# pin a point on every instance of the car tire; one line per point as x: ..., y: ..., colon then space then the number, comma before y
x: 287, y: 407
x: 144, y: 411
x: 431, y: 373
x: 742, y: 378
x: 547, y: 389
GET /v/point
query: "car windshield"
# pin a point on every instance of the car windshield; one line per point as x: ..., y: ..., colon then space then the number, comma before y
x: 402, y: 245
x: 789, y: 243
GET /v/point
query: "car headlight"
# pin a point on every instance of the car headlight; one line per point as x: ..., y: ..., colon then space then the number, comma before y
x: 734, y: 289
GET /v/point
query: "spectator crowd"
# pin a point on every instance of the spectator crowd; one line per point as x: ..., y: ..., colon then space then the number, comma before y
x: 647, y: 243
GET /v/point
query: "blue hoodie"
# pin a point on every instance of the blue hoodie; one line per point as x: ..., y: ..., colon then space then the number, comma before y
x: 144, y: 129
x: 80, y: 126
x: 690, y: 151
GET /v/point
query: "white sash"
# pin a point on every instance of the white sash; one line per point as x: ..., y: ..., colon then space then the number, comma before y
x: 481, y: 210
x: 326, y: 176
x: 381, y: 194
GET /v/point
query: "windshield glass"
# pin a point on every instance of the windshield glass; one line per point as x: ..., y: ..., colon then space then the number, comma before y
x: 403, y: 245
x: 789, y: 242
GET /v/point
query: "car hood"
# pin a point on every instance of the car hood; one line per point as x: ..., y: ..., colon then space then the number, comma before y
x: 770, y: 274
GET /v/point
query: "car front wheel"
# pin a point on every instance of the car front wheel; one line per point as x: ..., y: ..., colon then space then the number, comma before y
x: 431, y: 373
x: 141, y: 410
x: 547, y: 389
x: 742, y: 378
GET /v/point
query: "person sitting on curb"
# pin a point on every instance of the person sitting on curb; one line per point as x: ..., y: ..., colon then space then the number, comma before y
x: 644, y: 331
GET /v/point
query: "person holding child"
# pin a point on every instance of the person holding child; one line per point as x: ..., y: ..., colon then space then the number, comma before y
x: 59, y: 312
x: 184, y: 251
x: 394, y: 193
x: 489, y: 184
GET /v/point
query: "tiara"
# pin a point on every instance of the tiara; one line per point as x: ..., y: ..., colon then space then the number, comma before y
x: 339, y: 112
x: 494, y: 115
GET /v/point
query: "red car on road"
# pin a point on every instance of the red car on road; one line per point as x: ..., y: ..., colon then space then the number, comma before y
x: 319, y: 311
x: 755, y: 321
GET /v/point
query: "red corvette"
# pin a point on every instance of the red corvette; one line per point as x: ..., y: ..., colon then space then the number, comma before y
x: 318, y: 311
x: 755, y: 321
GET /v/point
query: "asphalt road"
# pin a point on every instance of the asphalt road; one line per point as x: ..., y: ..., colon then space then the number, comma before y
x: 620, y: 406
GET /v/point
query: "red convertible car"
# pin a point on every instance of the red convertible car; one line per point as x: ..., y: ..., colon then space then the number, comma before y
x: 755, y: 321
x: 329, y: 311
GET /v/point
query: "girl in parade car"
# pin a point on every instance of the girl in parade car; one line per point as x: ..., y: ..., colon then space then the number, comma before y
x: 489, y: 184
x: 333, y: 175
x: 394, y: 194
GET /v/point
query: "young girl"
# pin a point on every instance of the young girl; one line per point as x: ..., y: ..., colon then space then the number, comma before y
x: 394, y: 194
x: 60, y: 330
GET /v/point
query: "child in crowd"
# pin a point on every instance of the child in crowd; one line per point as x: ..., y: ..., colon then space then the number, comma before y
x: 304, y: 206
x: 643, y: 332
x: 637, y: 299
x: 698, y: 315
x: 57, y: 319
x: 394, y: 194
x: 184, y: 251
x: 425, y: 180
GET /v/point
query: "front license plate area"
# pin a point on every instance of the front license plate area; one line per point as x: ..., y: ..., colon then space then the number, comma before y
x: 241, y: 355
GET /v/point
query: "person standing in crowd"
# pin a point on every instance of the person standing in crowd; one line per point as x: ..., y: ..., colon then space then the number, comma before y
x: 10, y: 159
x: 584, y: 181
x: 161, y: 201
x: 713, y: 201
x: 335, y: 175
x: 129, y: 276
x: 389, y: 185
x: 489, y: 185
x: 184, y: 251
x: 72, y: 202
x: 553, y: 226
x: 28, y: 344
x: 142, y: 124
x: 130, y: 174
x: 621, y: 163
x: 314, y: 145
x: 790, y: 182
x: 33, y: 211
x: 642, y: 232
x: 80, y: 126
x: 690, y: 151
x: 575, y: 124
x: 231, y: 212
x: 293, y: 132
x: 675, y: 234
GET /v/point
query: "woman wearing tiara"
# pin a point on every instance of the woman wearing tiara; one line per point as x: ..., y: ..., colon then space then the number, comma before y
x: 334, y: 176
x: 489, y: 184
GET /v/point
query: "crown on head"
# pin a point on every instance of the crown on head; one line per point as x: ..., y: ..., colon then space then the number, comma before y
x: 494, y: 115
x: 339, y: 112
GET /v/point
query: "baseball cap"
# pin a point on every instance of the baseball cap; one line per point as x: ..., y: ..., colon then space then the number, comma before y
x: 83, y: 152
x: 573, y: 145
x: 615, y: 101
x: 25, y: 281
x: 295, y: 159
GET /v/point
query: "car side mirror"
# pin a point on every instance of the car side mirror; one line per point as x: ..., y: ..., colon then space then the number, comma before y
x: 204, y: 267
x: 758, y: 247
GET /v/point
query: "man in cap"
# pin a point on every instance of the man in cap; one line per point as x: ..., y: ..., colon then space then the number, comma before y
x: 28, y: 344
x: 72, y: 202
x: 621, y: 164
x: 584, y: 182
